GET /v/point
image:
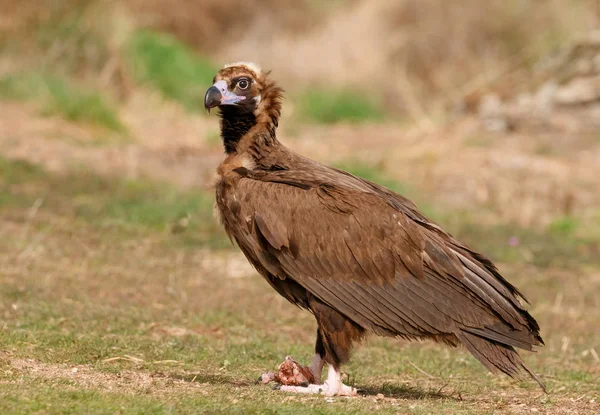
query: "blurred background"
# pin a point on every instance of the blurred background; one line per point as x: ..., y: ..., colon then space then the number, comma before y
x: 487, y: 114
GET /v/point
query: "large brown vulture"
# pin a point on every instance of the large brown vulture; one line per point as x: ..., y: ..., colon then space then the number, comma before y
x: 360, y: 257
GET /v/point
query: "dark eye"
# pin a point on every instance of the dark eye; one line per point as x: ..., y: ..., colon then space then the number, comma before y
x: 243, y: 84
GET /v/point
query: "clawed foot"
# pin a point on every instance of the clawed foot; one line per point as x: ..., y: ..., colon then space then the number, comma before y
x: 338, y: 389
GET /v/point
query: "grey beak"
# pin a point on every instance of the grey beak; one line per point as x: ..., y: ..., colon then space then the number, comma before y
x: 212, y: 98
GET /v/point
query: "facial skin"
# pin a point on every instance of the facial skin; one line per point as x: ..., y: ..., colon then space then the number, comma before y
x: 234, y: 86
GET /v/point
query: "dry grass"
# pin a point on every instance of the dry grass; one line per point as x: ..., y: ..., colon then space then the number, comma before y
x: 209, y: 25
x: 422, y: 56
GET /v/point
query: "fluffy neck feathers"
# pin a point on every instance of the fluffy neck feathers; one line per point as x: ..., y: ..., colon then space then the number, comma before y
x: 253, y: 132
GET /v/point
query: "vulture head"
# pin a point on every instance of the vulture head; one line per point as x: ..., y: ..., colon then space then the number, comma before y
x: 247, y: 99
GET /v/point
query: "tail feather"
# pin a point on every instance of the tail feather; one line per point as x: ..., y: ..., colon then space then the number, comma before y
x: 497, y: 357
x: 521, y: 339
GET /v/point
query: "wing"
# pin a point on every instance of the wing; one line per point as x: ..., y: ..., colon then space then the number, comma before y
x: 369, y: 254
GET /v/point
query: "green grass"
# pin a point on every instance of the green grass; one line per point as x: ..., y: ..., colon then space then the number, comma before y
x: 330, y: 106
x: 18, y: 172
x: 114, y: 303
x: 67, y: 316
x: 83, y: 32
x: 565, y: 226
x: 53, y: 397
x: 131, y: 204
x: 62, y: 98
x: 165, y: 63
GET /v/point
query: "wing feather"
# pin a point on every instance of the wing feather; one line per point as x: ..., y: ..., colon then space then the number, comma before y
x: 370, y: 255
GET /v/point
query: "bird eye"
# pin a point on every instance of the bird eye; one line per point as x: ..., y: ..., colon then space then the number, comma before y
x: 243, y: 84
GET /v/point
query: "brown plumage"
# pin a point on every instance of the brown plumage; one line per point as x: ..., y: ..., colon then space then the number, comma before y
x: 360, y: 257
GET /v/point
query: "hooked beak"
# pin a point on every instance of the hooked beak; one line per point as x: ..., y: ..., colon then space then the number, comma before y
x: 219, y: 94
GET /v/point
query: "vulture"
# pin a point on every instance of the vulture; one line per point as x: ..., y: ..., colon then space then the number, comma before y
x: 360, y: 257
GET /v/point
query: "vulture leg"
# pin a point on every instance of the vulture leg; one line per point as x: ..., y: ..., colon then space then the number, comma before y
x: 335, y: 336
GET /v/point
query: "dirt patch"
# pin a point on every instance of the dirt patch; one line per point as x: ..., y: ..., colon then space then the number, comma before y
x: 85, y: 376
x: 508, y: 174
x: 59, y: 146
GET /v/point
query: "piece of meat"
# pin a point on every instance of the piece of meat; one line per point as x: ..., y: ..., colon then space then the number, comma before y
x: 290, y: 373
